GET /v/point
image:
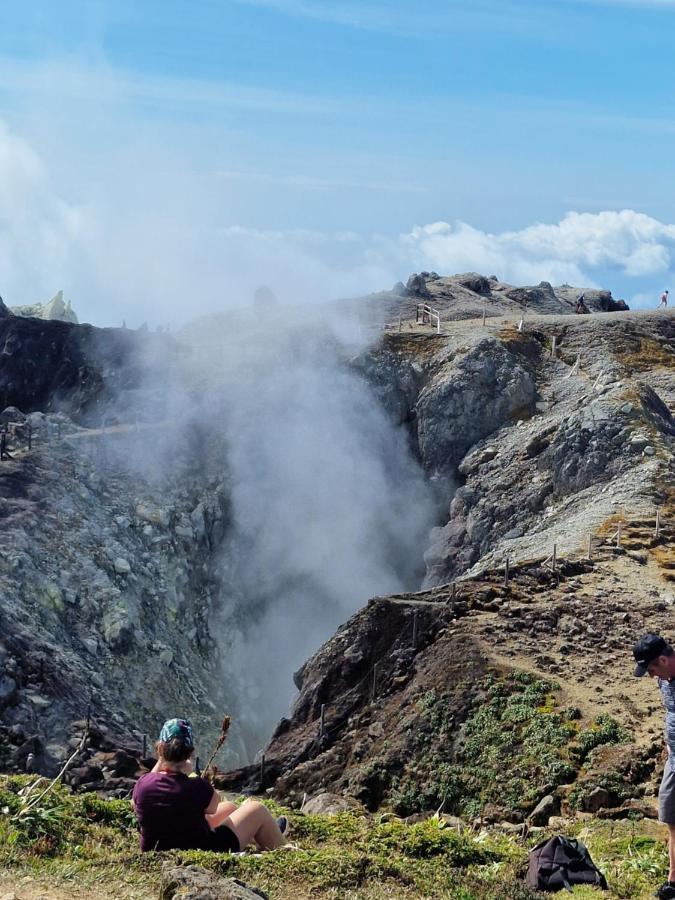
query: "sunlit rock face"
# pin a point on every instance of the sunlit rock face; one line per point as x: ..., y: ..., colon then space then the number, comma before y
x: 57, y: 309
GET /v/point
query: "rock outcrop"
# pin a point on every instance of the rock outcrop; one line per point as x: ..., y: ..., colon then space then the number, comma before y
x: 55, y: 310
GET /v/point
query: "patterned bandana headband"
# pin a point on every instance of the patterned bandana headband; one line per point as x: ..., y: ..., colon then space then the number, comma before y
x: 177, y: 728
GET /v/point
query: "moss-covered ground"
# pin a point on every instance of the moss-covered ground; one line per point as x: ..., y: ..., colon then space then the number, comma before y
x: 85, y: 846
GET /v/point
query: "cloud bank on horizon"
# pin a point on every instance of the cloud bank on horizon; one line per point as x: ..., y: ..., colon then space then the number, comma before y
x: 166, y: 262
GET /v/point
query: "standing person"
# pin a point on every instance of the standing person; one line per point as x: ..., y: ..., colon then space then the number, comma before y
x: 655, y: 657
x: 664, y: 300
x: 177, y: 811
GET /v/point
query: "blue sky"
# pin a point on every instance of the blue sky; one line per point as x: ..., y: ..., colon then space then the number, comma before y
x: 158, y: 156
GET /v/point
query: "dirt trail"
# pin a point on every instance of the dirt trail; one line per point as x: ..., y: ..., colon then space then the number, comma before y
x: 28, y: 887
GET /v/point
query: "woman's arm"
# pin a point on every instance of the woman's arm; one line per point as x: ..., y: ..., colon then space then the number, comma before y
x: 213, y: 804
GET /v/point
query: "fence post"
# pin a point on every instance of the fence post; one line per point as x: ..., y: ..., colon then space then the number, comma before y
x: 506, y: 572
x: 521, y: 323
x: 483, y: 315
x: 657, y: 529
x: 553, y: 347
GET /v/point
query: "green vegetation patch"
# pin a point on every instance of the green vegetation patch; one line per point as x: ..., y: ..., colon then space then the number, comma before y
x: 515, y: 746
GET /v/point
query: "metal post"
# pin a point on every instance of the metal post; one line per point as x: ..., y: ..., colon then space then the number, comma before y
x: 506, y: 572
x: 520, y: 324
x: 553, y: 343
x: 262, y: 770
x: 657, y: 529
x: 414, y: 634
x: 483, y: 315
x: 323, y: 722
x: 555, y: 556
x: 374, y: 680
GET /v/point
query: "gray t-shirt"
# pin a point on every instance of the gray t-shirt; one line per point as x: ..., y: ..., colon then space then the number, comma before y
x: 667, y: 689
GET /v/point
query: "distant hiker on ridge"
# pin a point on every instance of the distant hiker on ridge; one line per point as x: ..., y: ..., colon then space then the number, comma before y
x: 656, y: 658
x: 581, y: 304
x: 664, y: 300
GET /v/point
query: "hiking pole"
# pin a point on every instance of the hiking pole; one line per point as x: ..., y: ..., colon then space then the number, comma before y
x: 224, y: 728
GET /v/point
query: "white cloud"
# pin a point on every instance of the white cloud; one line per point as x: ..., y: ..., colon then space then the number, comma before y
x: 39, y: 231
x: 577, y: 249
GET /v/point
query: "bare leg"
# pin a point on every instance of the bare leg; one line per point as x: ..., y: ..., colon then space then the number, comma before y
x: 254, y: 822
x: 671, y: 852
x: 218, y: 817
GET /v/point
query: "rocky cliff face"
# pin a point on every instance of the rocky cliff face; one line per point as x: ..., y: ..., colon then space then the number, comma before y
x: 538, y: 446
x: 109, y: 580
x: 118, y: 580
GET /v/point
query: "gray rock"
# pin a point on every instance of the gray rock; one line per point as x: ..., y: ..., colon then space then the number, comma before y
x: 416, y: 286
x: 122, y: 566
x: 326, y: 804
x: 599, y: 798
x: 195, y: 883
x: 7, y: 691
x: 548, y: 806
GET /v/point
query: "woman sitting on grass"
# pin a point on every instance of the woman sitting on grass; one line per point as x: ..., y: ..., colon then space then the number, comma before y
x: 179, y: 812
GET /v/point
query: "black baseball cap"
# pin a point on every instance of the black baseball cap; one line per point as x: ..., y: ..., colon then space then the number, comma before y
x: 647, y: 649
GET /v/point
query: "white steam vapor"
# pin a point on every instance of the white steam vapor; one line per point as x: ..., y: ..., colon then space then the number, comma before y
x: 328, y: 507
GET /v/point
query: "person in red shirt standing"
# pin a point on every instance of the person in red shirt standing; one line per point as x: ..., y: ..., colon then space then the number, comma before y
x: 178, y: 811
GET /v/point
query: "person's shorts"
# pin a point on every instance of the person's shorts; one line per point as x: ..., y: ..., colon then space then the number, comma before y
x: 667, y: 796
x: 222, y: 840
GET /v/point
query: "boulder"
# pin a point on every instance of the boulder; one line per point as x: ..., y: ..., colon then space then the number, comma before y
x: 479, y: 284
x: 326, y: 804
x: 416, y: 286
x: 599, y: 798
x: 548, y: 806
x: 195, y: 883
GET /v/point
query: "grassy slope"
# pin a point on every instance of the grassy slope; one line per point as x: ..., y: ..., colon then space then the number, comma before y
x: 85, y: 846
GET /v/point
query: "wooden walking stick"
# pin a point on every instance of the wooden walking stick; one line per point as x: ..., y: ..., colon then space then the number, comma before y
x: 224, y: 728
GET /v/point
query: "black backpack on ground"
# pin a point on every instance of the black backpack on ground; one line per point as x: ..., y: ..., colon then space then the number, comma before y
x: 562, y: 862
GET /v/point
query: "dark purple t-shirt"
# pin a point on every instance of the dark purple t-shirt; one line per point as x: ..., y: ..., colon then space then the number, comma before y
x: 170, y: 809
